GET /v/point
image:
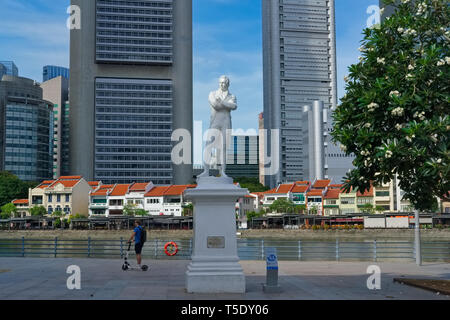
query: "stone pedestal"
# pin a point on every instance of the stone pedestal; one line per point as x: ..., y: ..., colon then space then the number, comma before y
x: 215, y: 264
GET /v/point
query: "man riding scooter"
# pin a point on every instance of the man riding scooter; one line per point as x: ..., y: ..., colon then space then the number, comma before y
x: 138, y: 243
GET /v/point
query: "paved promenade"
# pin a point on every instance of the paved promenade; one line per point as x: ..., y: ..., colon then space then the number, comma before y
x: 28, y: 278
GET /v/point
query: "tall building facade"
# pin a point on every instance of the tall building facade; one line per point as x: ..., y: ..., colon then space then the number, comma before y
x: 50, y: 72
x: 11, y: 68
x: 299, y: 52
x: 26, y: 129
x: 56, y: 90
x: 130, y: 88
x: 243, y: 157
x: 2, y: 71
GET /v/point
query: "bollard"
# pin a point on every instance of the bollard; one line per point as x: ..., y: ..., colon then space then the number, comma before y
x: 272, y: 285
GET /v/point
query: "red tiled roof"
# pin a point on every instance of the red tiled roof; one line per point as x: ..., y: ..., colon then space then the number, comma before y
x: 284, y: 188
x: 177, y: 190
x: 271, y: 191
x: 120, y: 190
x: 94, y: 183
x: 332, y: 194
x: 45, y: 184
x: 157, y: 191
x: 300, y: 189
x: 20, y: 201
x: 321, y: 184
x: 366, y: 194
x: 103, y: 190
x: 139, y: 186
x: 303, y: 183
x: 315, y: 193
x: 65, y: 183
x: 259, y: 194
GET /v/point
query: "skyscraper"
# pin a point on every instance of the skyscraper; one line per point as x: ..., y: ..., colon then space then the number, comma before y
x: 130, y: 88
x: 11, y: 68
x: 50, y: 72
x: 2, y: 71
x: 26, y: 129
x: 299, y: 52
x: 243, y: 157
x: 56, y: 90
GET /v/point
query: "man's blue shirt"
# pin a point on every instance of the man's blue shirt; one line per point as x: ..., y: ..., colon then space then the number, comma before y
x: 137, y: 236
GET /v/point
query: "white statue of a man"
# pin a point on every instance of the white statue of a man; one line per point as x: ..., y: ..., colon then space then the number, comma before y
x: 222, y: 103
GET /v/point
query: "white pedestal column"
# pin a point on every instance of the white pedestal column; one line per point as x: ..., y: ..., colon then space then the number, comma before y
x: 215, y: 264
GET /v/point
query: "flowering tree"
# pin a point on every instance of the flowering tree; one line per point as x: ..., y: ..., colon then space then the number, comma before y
x: 395, y: 115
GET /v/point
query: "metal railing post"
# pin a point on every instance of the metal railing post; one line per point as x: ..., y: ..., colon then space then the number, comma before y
x: 417, y: 239
x: 262, y: 249
x: 23, y: 247
x: 156, y: 248
x: 56, y: 245
x: 337, y: 249
x: 89, y: 247
x: 299, y: 250
x: 190, y: 246
x: 375, y: 250
x: 121, y: 247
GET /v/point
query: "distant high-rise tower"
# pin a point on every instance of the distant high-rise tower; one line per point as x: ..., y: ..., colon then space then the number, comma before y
x: 2, y: 71
x: 243, y: 157
x: 50, y: 72
x: 130, y: 88
x: 56, y: 90
x: 26, y: 130
x: 11, y: 68
x: 299, y: 51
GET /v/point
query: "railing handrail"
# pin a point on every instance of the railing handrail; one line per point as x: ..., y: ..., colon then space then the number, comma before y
x: 248, y: 249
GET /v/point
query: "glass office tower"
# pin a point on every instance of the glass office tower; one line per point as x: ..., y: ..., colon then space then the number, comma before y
x: 299, y: 52
x: 11, y: 68
x: 51, y: 72
x: 130, y: 88
x: 26, y: 130
x: 243, y: 157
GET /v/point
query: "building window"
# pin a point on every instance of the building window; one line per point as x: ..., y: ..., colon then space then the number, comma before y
x: 347, y: 200
x: 58, y: 198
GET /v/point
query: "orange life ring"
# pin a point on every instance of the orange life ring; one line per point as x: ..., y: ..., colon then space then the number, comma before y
x: 171, y: 248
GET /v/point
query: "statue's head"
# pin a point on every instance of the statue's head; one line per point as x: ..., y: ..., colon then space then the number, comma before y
x: 224, y: 83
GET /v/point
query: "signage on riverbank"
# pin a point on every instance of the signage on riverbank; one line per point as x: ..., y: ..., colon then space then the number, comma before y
x: 271, y: 258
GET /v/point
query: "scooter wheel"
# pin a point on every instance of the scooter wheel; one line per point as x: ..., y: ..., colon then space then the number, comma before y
x: 124, y: 267
x: 144, y: 268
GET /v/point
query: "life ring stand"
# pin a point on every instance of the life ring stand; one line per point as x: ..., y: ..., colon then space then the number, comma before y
x: 171, y: 248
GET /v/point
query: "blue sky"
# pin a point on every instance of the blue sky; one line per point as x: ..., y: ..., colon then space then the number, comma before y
x: 227, y: 40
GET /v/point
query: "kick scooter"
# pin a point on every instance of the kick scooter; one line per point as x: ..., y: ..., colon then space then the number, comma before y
x: 127, y: 266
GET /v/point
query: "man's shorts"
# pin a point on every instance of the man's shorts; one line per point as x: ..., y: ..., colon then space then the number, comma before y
x: 138, y: 248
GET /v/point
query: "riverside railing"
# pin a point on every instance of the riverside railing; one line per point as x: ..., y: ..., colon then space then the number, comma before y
x: 248, y: 249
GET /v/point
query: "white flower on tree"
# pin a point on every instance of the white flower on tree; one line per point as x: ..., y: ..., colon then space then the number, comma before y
x: 394, y: 94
